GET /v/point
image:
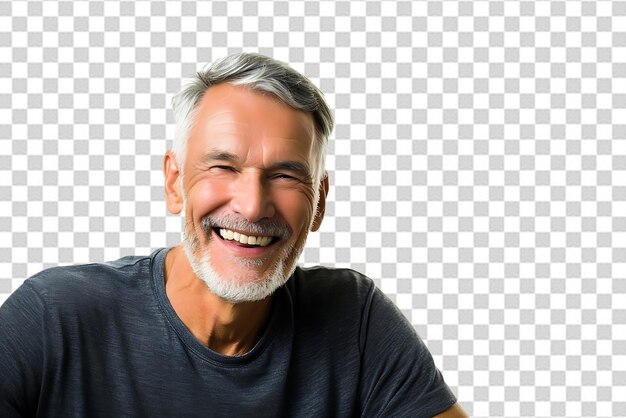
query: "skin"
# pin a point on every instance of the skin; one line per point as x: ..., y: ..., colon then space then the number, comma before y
x: 235, y: 165
x: 455, y: 411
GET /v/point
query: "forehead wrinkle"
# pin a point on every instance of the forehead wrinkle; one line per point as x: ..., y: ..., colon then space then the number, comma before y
x: 218, y: 114
x: 230, y: 122
x: 220, y: 119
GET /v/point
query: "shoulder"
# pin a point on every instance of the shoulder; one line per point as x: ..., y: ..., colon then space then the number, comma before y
x: 330, y: 286
x: 332, y: 299
x: 345, y: 303
x: 342, y: 286
x: 88, y: 283
x: 328, y: 278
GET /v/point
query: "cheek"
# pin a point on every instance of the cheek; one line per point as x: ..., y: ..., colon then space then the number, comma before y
x: 204, y: 197
x: 296, y: 208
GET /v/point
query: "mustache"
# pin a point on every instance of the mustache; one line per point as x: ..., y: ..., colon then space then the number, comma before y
x: 265, y: 227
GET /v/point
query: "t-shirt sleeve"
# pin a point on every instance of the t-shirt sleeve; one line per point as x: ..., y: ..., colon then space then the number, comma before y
x: 398, y: 375
x: 21, y: 352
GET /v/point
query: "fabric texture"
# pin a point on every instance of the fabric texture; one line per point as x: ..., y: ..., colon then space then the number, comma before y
x: 102, y: 340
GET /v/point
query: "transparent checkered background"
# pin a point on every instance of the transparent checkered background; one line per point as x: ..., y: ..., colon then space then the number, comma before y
x: 478, y: 166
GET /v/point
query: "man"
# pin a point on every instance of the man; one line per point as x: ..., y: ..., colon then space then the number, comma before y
x: 224, y: 324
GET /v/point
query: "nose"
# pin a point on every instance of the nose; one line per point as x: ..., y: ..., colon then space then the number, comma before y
x: 251, y: 199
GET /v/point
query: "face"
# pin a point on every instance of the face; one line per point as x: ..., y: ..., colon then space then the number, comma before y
x: 247, y: 192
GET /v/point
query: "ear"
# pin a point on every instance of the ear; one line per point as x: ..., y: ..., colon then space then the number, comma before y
x: 321, y: 204
x: 173, y: 193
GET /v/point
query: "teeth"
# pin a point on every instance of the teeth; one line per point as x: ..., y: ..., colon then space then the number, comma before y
x: 243, y: 238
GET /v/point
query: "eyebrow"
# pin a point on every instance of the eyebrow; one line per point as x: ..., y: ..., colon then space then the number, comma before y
x: 293, y: 166
x: 219, y: 156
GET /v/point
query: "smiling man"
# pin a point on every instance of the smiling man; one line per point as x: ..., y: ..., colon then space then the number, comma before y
x: 224, y: 324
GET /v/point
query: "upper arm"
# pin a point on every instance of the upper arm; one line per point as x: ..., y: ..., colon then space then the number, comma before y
x: 398, y: 374
x: 21, y: 352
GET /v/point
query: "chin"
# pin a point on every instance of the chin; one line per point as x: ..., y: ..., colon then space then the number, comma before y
x: 244, y: 287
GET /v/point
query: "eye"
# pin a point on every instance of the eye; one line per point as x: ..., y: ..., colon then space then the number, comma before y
x: 283, y: 176
x: 223, y: 168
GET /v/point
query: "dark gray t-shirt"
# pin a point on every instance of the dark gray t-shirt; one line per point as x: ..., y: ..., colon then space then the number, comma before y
x: 102, y: 340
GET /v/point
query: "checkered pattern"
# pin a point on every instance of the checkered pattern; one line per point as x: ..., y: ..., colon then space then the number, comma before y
x: 478, y: 165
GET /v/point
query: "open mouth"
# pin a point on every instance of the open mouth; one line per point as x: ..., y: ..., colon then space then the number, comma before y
x: 243, y: 240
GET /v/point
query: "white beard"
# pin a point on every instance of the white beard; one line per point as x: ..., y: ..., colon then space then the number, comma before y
x: 238, y: 289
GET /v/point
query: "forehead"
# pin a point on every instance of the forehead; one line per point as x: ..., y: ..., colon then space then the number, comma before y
x: 232, y: 117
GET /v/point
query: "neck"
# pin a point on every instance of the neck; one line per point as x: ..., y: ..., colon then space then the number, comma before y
x: 227, y: 328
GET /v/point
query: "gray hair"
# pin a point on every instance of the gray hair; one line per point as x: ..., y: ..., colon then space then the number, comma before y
x: 263, y: 74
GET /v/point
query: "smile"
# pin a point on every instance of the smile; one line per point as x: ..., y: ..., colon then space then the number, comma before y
x: 239, y: 238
